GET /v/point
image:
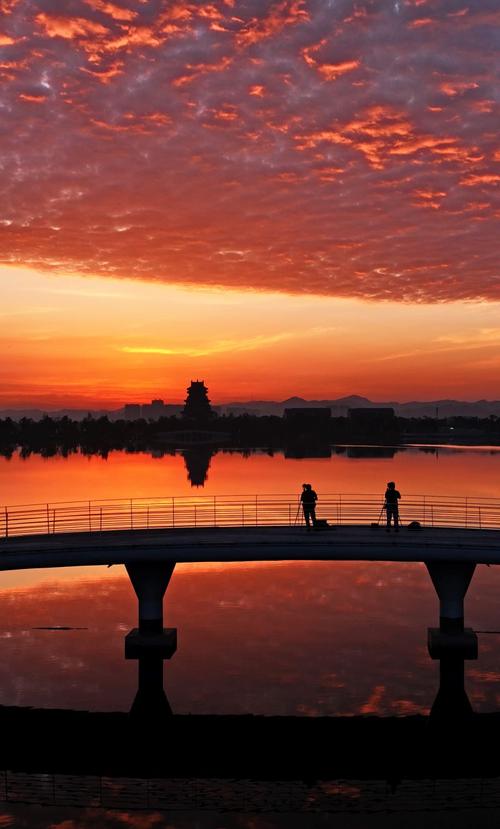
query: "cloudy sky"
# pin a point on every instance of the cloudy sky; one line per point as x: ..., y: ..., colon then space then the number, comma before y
x: 285, y: 197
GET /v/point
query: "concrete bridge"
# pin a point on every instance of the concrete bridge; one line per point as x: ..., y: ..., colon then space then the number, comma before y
x: 149, y: 536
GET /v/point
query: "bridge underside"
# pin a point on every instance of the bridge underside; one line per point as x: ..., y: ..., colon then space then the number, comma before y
x: 150, y: 557
x: 232, y: 544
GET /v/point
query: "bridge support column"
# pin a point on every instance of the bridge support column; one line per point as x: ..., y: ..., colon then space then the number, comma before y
x: 451, y: 580
x: 150, y: 580
x: 150, y: 702
x: 452, y: 703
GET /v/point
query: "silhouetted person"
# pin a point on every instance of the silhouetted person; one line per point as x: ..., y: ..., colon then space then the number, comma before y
x: 391, y: 505
x: 308, y: 500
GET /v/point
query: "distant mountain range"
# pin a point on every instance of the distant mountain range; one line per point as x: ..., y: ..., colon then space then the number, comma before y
x: 339, y: 407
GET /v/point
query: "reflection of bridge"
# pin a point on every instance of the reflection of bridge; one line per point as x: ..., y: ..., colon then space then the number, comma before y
x: 150, y: 536
x: 150, y: 760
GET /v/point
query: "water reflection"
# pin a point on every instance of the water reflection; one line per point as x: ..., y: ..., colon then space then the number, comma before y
x: 197, y: 460
x: 299, y: 451
x: 372, y: 451
x: 150, y: 702
x: 454, y: 471
x: 317, y: 638
x: 452, y: 705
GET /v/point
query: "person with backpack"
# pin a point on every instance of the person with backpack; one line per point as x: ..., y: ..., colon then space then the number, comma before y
x: 392, y: 496
x: 308, y: 500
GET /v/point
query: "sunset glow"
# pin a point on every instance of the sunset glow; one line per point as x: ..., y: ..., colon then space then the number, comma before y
x: 290, y: 197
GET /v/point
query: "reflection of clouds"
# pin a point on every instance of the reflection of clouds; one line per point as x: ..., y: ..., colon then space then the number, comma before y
x: 361, y: 651
x: 373, y: 703
x: 329, y: 150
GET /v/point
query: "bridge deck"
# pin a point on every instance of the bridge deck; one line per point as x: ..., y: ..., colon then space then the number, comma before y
x: 233, y: 544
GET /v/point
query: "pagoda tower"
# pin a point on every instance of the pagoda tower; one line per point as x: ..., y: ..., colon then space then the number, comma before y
x: 197, y: 405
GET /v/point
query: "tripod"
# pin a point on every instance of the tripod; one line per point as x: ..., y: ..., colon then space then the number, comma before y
x: 297, y: 516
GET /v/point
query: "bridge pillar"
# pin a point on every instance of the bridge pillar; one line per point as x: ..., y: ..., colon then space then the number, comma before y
x: 150, y: 702
x: 451, y: 640
x: 150, y: 580
x: 452, y: 703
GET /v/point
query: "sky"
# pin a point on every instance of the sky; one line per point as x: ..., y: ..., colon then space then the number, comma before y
x: 289, y: 197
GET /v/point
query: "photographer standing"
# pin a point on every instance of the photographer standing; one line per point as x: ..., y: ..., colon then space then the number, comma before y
x: 308, y: 500
x: 392, y: 497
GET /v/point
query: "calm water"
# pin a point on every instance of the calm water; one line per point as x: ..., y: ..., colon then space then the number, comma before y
x: 288, y: 638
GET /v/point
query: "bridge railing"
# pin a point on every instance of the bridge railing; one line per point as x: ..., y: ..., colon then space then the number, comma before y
x: 240, y: 511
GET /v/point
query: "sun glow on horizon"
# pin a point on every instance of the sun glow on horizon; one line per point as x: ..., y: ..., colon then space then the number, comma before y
x: 97, y: 342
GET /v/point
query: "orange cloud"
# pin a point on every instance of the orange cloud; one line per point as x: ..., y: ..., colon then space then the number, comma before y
x: 421, y: 21
x: 173, y: 133
x: 114, y: 11
x: 476, y: 180
x: 452, y: 88
x: 330, y: 71
x: 282, y: 13
x: 69, y: 27
x: 33, y: 99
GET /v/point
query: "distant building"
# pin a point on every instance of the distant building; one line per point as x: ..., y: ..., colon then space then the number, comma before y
x: 372, y: 421
x: 307, y: 430
x: 371, y: 414
x: 237, y: 411
x: 308, y: 415
x: 154, y: 410
x: 131, y: 411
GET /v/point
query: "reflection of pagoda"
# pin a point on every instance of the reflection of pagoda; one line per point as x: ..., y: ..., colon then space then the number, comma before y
x: 197, y: 405
x: 197, y: 462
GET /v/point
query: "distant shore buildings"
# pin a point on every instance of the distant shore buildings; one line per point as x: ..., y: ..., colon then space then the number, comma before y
x: 149, y: 411
x: 196, y: 406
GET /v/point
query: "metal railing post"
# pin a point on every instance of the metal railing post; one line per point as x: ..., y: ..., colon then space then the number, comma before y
x: 275, y: 510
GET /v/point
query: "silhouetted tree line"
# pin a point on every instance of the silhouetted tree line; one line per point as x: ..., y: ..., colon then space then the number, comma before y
x: 64, y: 436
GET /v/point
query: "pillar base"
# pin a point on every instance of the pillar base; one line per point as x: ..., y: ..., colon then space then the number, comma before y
x: 461, y: 644
x: 139, y: 644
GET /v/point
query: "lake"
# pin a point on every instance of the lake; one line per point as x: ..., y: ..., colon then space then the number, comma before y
x: 284, y: 638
